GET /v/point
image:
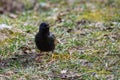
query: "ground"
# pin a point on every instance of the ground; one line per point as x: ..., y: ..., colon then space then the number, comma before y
x: 88, y: 34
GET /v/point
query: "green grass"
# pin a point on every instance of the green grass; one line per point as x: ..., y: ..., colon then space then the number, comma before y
x: 86, y: 52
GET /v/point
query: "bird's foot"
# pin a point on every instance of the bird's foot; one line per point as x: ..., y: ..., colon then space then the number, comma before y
x: 53, y: 58
x: 38, y: 57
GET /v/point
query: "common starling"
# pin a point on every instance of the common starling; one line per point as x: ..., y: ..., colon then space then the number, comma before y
x: 44, y: 39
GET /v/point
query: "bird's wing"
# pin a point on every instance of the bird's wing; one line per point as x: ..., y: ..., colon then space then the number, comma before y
x: 52, y: 36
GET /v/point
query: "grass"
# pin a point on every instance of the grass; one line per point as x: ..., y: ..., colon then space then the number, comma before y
x: 88, y: 48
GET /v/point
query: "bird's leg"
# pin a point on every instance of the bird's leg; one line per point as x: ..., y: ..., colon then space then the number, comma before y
x: 52, y: 57
x: 46, y: 53
x: 39, y: 56
x: 52, y: 54
x: 41, y: 53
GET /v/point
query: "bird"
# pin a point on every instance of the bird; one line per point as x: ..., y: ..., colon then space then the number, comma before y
x: 44, y: 39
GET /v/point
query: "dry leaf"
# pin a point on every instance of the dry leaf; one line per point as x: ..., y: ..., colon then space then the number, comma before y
x: 9, y: 73
x: 12, y: 15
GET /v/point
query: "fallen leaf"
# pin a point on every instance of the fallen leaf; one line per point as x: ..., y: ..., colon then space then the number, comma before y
x: 12, y: 15
x: 9, y: 73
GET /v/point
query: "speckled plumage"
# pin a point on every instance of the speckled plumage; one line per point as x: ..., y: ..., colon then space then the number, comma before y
x: 45, y: 41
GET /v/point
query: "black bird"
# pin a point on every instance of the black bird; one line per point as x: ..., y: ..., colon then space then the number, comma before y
x: 44, y: 39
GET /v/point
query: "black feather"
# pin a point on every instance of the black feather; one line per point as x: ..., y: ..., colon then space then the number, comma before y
x: 45, y: 41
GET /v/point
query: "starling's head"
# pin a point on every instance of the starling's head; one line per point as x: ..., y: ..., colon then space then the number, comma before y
x: 44, y: 27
